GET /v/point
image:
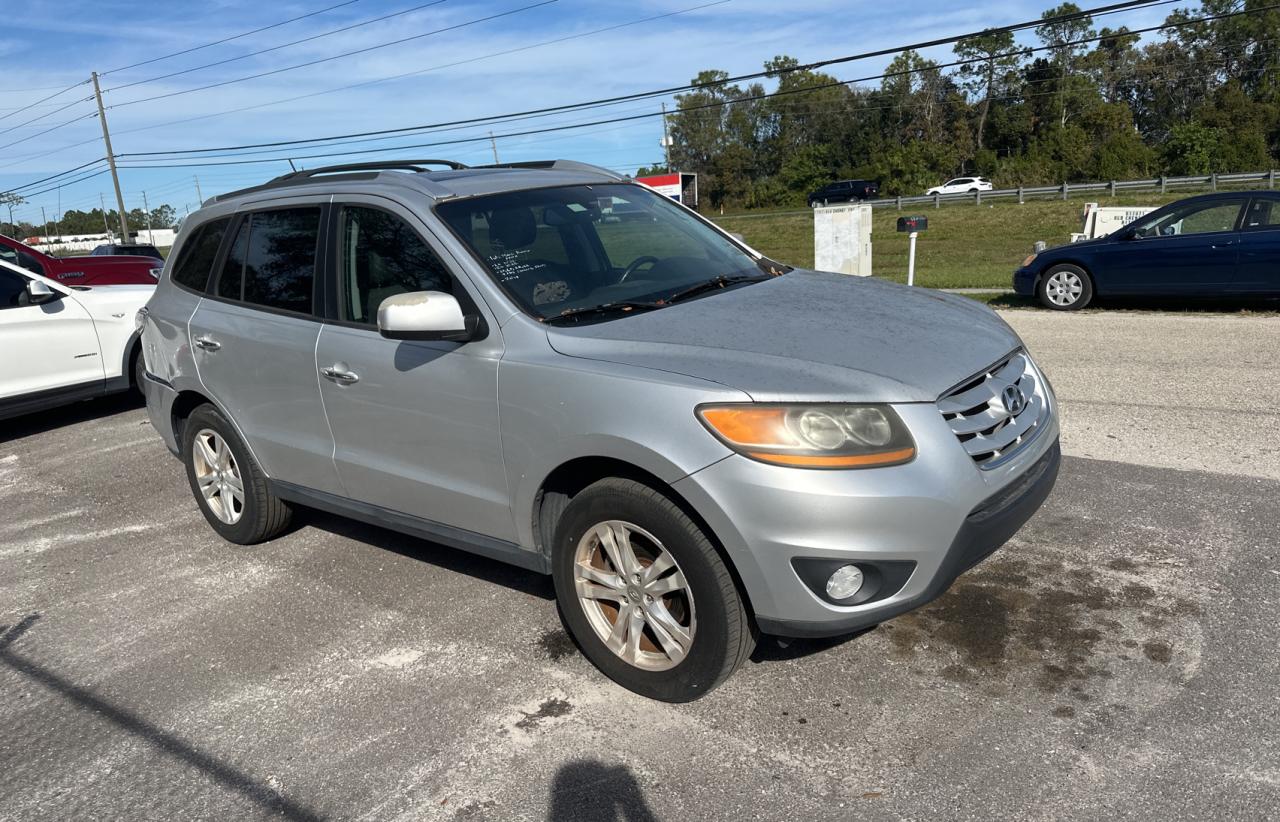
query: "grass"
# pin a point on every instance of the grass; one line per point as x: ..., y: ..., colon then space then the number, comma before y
x: 966, y: 246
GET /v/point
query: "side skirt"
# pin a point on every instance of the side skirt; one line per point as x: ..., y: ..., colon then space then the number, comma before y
x: 50, y: 398
x: 469, y: 541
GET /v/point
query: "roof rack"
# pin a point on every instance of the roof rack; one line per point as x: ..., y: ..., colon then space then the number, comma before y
x: 306, y: 175
x: 557, y: 165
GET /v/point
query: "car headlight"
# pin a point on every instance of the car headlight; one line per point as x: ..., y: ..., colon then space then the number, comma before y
x: 1030, y: 259
x: 812, y: 436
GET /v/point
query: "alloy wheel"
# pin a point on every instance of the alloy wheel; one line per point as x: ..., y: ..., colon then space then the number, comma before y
x: 634, y: 595
x: 218, y: 476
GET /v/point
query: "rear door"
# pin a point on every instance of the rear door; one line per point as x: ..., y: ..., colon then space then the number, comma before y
x: 1258, y: 270
x: 1190, y: 249
x: 45, y: 347
x: 415, y: 424
x: 254, y: 340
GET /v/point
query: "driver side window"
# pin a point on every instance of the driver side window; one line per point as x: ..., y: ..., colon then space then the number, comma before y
x: 12, y: 289
x: 381, y: 256
x: 1201, y: 218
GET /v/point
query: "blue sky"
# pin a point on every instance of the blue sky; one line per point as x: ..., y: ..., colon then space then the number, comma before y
x: 54, y: 44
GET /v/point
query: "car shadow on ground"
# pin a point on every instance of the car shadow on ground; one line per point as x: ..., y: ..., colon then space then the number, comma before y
x: 424, y: 550
x: 1164, y: 305
x: 40, y: 422
x: 162, y: 741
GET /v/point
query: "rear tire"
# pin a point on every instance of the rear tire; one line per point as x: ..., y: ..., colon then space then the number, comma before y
x: 679, y: 633
x: 138, y: 371
x: 227, y: 481
x: 1065, y: 287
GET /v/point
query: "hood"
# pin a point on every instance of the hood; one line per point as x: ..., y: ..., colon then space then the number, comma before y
x: 808, y: 336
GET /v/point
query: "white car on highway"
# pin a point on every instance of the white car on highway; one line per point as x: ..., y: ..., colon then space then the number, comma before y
x: 962, y: 185
x: 59, y: 344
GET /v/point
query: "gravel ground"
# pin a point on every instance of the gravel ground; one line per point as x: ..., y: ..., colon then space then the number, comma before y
x: 1115, y: 660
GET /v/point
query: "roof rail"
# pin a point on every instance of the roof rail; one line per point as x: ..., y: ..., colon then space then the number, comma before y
x: 558, y: 165
x: 306, y: 175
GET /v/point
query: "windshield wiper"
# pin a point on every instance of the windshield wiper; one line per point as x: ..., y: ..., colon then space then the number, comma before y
x: 723, y: 281
x: 620, y: 307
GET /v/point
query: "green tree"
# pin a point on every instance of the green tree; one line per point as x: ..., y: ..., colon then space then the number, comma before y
x: 1062, y: 37
x: 993, y: 59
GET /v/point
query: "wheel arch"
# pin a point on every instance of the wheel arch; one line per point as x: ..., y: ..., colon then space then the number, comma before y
x: 569, y: 478
x: 1077, y: 262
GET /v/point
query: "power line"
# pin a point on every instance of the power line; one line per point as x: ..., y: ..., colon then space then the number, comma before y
x: 90, y: 176
x: 55, y: 176
x: 46, y: 114
x: 555, y: 41
x: 161, y: 161
x: 277, y: 48
x: 47, y: 130
x: 669, y: 90
x: 227, y: 39
x: 336, y: 56
x: 42, y: 100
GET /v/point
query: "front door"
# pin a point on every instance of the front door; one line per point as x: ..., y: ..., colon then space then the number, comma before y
x: 254, y: 343
x: 46, y: 347
x: 1187, y: 250
x: 415, y: 424
x: 1259, y: 267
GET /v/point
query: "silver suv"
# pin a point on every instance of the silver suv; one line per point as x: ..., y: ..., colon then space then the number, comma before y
x: 698, y: 443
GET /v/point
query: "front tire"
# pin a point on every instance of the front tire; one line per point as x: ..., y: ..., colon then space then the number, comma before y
x: 227, y: 481
x: 1065, y: 287
x: 645, y: 593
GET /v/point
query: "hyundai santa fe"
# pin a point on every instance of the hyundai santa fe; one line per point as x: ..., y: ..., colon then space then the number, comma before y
x: 699, y: 444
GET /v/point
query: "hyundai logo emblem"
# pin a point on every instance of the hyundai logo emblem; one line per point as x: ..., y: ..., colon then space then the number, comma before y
x: 1014, y: 400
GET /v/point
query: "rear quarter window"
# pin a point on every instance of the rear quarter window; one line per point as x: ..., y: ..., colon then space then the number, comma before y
x: 195, y: 261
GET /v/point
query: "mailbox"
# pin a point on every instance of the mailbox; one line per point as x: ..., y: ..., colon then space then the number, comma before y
x: 912, y: 224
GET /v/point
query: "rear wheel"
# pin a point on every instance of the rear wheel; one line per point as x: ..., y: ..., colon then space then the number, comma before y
x: 645, y: 593
x: 227, y: 482
x: 1065, y: 288
x: 139, y: 372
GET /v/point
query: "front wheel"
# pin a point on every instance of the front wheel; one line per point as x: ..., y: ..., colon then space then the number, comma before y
x: 1065, y: 288
x: 645, y: 593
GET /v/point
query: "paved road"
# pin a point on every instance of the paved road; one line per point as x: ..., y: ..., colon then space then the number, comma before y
x: 1116, y: 660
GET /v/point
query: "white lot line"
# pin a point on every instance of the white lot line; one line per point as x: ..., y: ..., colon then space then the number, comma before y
x: 40, y: 544
x: 1191, y: 391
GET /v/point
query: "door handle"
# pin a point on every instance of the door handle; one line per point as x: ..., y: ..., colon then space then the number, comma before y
x: 208, y: 343
x: 339, y: 375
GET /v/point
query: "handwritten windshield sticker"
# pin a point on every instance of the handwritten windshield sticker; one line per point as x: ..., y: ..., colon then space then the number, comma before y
x: 508, y: 265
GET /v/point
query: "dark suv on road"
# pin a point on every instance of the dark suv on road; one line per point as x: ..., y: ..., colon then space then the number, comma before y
x: 845, y: 191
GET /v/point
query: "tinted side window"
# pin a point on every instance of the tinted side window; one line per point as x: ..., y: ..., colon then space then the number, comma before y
x: 231, y: 282
x: 195, y: 263
x: 381, y: 257
x: 1263, y: 214
x: 12, y: 287
x: 280, y: 266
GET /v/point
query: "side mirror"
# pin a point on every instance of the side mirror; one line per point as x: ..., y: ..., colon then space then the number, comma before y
x: 38, y: 292
x: 425, y: 315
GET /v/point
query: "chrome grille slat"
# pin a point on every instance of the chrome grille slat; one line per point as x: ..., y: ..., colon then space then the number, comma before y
x: 977, y: 415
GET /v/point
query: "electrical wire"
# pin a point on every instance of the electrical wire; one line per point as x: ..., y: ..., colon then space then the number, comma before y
x: 331, y: 58
x: 277, y: 48
x: 227, y: 39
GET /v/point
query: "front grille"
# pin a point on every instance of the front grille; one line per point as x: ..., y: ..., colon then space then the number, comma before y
x: 980, y: 418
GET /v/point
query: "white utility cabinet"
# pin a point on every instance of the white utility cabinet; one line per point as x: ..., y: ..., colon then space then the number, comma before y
x: 842, y: 239
x: 1099, y: 221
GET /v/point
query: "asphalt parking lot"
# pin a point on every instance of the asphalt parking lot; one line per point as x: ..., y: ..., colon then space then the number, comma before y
x: 1116, y: 660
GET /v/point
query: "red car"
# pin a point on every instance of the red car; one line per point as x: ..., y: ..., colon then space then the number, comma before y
x: 113, y: 270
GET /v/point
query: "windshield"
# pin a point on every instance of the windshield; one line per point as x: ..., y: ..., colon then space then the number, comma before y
x: 559, y: 250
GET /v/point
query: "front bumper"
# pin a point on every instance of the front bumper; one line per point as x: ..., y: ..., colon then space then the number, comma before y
x: 936, y: 517
x: 1024, y: 282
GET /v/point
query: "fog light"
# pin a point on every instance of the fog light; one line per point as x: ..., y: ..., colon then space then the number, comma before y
x: 845, y: 582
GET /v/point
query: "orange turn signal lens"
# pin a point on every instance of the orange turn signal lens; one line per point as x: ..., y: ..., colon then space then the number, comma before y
x: 857, y: 461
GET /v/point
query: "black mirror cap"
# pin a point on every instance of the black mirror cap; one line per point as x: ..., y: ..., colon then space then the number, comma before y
x: 474, y: 328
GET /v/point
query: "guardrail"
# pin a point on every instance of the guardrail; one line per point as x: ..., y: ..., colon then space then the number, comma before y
x: 1064, y: 191
x: 1022, y: 193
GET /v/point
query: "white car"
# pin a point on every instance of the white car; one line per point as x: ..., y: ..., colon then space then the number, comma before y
x: 962, y: 185
x: 60, y: 344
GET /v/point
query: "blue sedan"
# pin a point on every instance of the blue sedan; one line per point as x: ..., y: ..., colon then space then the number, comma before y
x: 1215, y: 245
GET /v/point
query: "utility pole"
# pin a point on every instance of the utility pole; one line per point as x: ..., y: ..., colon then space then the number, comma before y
x: 106, y: 228
x: 666, y: 138
x: 494, y: 143
x: 111, y: 159
x: 44, y: 220
x: 199, y: 196
x: 146, y: 209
